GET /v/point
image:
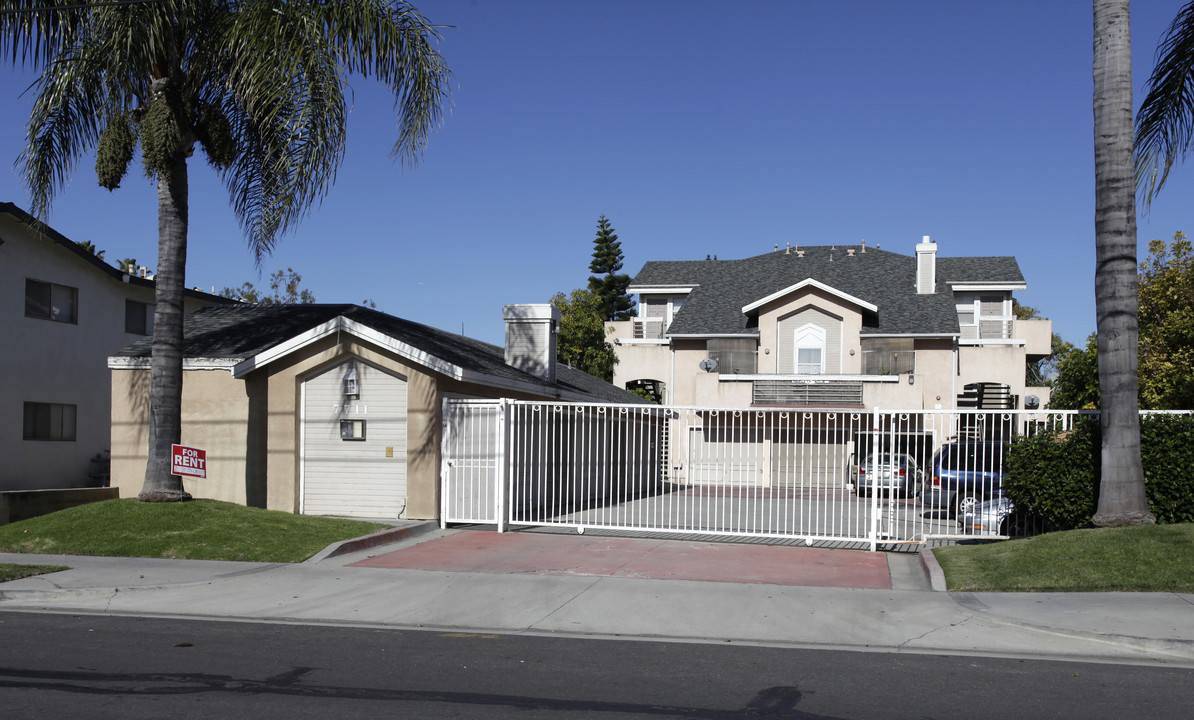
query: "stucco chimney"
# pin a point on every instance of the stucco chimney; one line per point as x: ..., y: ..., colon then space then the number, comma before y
x: 926, y: 266
x: 531, y: 338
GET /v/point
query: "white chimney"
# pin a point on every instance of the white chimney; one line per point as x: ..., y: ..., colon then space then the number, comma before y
x: 926, y: 266
x: 531, y: 338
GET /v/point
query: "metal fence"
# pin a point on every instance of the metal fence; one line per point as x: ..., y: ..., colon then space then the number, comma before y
x: 870, y: 477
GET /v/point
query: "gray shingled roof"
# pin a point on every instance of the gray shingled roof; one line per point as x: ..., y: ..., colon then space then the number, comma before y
x: 239, y: 332
x: 885, y: 279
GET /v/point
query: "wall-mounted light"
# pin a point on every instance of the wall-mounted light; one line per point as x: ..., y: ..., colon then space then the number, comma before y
x: 911, y: 379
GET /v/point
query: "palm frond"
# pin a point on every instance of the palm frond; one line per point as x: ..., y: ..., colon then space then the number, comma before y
x: 1165, y: 123
x: 392, y: 41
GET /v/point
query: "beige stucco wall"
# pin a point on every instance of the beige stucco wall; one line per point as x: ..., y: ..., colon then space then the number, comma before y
x: 214, y: 418
x: 57, y: 362
x: 776, y: 310
x: 992, y: 363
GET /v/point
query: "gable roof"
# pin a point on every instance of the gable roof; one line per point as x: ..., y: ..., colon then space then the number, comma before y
x: 40, y: 228
x: 245, y: 337
x: 884, y: 280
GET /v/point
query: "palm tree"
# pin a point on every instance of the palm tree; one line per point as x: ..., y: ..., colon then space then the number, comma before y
x: 91, y: 248
x: 1165, y: 126
x: 1122, y: 499
x: 258, y: 84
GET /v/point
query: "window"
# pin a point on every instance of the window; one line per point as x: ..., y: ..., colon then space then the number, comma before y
x: 984, y: 317
x: 808, y: 361
x: 809, y: 343
x: 734, y: 356
x: 48, y: 301
x: 352, y: 429
x: 888, y: 356
x: 49, y: 421
x: 138, y: 318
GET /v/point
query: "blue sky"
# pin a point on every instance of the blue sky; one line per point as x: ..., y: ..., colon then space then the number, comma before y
x: 698, y: 128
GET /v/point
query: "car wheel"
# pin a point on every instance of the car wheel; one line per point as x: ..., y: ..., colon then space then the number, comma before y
x: 1015, y: 525
x: 963, y: 503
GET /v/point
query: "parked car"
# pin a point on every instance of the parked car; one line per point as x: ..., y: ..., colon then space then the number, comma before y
x: 891, y: 472
x: 965, y: 473
x: 996, y: 516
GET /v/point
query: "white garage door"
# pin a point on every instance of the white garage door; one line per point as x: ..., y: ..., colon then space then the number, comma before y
x: 354, y: 446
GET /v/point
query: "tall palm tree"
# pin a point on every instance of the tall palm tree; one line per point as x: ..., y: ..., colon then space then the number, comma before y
x: 258, y: 84
x: 1122, y: 499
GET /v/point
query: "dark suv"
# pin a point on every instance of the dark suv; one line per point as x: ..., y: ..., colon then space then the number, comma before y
x: 964, y: 473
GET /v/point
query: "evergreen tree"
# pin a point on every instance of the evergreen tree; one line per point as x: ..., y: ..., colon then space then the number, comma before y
x: 581, y: 342
x: 606, y: 283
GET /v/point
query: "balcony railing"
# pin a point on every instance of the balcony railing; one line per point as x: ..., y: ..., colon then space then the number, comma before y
x: 648, y: 328
x: 807, y: 392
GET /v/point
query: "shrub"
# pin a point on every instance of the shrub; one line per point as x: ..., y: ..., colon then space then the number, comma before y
x: 1167, y: 452
x: 1052, y: 475
x: 1055, y: 476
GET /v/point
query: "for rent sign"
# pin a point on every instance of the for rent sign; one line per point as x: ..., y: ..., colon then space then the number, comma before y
x: 188, y: 461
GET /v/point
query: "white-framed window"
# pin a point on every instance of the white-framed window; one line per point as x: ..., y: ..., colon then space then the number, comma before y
x: 984, y: 316
x: 655, y: 314
x: 809, y: 349
x: 49, y: 421
x: 138, y: 318
x: 51, y: 301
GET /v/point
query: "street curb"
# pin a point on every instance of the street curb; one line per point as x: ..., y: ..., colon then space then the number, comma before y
x: 933, y: 571
x: 366, y: 542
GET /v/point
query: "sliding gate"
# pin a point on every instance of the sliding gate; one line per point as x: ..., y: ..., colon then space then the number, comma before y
x: 817, y: 475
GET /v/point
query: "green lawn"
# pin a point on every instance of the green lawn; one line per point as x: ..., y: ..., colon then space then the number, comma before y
x: 198, y: 530
x: 1151, y: 558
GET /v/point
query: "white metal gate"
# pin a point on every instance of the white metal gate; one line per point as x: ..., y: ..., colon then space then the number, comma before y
x: 872, y: 477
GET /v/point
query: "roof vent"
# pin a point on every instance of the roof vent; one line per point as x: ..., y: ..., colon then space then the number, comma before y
x: 863, y: 243
x: 850, y: 252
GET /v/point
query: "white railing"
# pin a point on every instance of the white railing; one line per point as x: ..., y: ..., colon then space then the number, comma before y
x: 757, y: 472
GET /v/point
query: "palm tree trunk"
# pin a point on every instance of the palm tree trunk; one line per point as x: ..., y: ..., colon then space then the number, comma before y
x: 1122, y: 499
x: 165, y: 373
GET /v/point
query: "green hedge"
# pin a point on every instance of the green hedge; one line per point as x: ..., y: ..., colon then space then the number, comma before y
x: 1055, y: 477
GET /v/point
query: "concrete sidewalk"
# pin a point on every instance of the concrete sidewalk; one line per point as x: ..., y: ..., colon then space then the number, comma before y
x: 477, y: 581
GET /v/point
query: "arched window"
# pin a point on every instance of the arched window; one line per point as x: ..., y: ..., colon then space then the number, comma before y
x: 809, y: 341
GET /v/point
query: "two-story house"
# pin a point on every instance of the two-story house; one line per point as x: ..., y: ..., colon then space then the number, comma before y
x: 832, y: 326
x: 831, y: 330
x: 63, y: 311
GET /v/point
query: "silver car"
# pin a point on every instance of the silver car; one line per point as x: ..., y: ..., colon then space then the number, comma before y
x: 888, y: 472
x: 996, y: 516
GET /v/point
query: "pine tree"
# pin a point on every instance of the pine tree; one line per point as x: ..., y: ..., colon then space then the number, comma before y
x: 606, y: 282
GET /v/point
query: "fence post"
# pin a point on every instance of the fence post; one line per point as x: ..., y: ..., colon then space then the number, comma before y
x: 501, y: 489
x: 445, y: 474
x: 876, y: 437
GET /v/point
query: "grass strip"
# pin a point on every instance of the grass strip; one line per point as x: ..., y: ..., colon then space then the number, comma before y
x: 196, y: 530
x: 1150, y: 558
x: 16, y: 572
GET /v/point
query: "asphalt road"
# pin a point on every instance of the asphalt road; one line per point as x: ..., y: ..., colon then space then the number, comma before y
x: 55, y: 666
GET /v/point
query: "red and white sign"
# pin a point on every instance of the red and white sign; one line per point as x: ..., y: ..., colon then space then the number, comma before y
x: 188, y: 461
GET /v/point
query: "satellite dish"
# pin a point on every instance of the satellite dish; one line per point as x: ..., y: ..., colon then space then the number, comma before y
x: 708, y: 364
